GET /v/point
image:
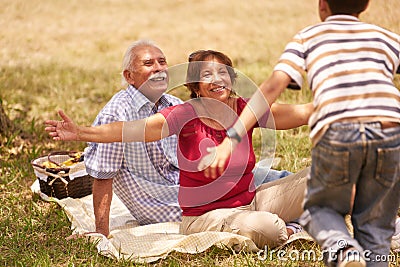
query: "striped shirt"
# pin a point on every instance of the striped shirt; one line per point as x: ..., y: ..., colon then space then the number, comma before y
x: 350, y: 68
x: 146, y: 176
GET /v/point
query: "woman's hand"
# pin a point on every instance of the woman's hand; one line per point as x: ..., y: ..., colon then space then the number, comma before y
x: 65, y: 130
x: 214, y: 163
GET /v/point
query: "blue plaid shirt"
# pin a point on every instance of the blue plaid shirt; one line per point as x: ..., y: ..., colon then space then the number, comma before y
x: 146, y: 175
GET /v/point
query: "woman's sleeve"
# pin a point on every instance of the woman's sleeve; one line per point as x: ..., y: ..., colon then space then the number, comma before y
x: 173, y: 118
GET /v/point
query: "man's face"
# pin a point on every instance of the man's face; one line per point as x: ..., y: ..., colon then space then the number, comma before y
x: 148, y: 73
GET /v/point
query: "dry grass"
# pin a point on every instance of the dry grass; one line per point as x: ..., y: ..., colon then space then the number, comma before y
x: 95, y: 34
x: 82, y: 33
x: 67, y: 54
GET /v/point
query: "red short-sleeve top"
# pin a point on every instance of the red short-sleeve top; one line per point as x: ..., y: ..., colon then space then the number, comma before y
x: 198, y: 194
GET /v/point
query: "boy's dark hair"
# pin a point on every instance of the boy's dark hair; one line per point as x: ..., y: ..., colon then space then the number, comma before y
x: 347, y: 7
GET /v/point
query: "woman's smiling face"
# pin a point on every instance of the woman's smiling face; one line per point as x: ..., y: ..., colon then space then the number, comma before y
x: 214, y: 80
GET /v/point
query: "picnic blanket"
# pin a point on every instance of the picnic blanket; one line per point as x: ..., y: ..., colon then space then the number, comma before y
x: 148, y: 243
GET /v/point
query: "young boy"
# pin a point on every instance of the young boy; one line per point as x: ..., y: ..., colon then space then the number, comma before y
x: 354, y: 129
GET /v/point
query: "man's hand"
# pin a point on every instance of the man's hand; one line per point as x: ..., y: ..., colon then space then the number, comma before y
x: 214, y: 163
x: 65, y: 130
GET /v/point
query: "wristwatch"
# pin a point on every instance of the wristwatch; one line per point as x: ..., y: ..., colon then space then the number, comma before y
x: 232, y: 134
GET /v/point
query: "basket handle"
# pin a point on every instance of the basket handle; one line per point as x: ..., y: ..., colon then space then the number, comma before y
x: 37, y: 165
x: 45, y: 169
x: 58, y: 177
x: 69, y: 153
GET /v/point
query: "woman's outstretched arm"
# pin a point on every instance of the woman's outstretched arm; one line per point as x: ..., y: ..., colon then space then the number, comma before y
x: 145, y: 130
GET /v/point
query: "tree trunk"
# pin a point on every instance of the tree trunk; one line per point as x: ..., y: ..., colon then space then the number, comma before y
x: 6, y: 125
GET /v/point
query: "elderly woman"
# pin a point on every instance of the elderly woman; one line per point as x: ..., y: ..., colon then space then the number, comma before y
x: 230, y: 202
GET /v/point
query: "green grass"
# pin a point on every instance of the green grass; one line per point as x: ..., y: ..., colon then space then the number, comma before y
x: 33, y: 231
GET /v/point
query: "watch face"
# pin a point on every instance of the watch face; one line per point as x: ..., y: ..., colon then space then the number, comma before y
x: 231, y: 133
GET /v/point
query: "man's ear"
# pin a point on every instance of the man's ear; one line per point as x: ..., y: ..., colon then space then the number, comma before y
x: 128, y: 77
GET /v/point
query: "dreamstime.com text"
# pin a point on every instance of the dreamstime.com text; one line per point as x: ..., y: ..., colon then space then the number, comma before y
x: 313, y: 255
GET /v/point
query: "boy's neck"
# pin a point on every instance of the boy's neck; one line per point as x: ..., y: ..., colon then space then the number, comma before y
x: 355, y: 16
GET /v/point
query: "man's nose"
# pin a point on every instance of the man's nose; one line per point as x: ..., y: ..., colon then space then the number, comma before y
x: 159, y: 67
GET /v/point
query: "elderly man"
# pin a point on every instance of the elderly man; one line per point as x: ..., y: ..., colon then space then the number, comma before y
x: 144, y: 176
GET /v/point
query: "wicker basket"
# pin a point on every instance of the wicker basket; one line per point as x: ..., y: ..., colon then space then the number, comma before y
x: 63, y: 181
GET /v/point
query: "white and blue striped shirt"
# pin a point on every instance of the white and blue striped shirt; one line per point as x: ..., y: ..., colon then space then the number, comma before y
x: 350, y: 68
x: 146, y: 175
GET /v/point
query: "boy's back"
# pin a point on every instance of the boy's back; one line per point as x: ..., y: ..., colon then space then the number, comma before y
x: 355, y: 129
x: 355, y: 168
x: 350, y: 67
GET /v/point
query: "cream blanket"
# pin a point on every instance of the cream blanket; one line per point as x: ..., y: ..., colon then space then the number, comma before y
x: 146, y: 243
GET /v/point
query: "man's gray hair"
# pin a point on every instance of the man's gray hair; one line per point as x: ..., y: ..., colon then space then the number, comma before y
x: 129, y: 56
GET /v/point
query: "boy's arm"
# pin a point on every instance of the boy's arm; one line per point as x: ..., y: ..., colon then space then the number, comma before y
x: 289, y: 116
x: 259, y: 103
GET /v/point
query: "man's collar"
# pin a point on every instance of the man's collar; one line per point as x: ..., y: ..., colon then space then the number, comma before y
x: 141, y: 100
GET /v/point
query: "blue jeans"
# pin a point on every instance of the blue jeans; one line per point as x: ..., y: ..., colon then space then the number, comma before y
x: 264, y: 175
x: 364, y: 155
